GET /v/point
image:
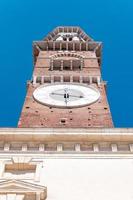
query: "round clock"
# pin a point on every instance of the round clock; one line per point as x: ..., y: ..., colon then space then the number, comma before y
x: 66, y: 95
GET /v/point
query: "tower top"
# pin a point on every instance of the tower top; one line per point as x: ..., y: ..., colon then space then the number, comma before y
x: 68, y: 33
x: 67, y: 38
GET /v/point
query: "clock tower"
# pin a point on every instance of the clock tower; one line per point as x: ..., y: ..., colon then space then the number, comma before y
x: 65, y: 146
x: 66, y: 89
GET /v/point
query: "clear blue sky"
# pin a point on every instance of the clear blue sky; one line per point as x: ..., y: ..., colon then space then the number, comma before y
x: 109, y: 21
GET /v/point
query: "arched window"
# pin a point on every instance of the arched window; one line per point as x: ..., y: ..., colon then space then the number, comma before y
x: 66, y: 61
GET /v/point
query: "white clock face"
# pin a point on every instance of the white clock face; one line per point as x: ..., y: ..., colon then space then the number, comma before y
x: 66, y: 95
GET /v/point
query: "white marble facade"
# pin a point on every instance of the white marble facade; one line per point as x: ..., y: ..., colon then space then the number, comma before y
x: 79, y: 173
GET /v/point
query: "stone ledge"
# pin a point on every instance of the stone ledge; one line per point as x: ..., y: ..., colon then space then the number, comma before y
x: 68, y: 130
x: 66, y: 134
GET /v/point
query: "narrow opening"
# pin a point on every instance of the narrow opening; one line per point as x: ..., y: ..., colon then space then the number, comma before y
x: 66, y: 78
x: 65, y: 39
x: 56, y: 79
x: 27, y: 107
x: 38, y: 80
x: 66, y: 68
x: 63, y: 121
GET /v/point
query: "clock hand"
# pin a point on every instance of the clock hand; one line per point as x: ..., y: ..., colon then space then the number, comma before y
x: 75, y: 96
x: 53, y: 93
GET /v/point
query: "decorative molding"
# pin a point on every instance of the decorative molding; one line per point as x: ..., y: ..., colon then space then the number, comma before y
x: 36, y: 140
x: 15, y: 163
x: 22, y: 187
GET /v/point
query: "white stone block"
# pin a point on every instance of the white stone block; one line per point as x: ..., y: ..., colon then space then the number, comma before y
x: 77, y: 147
x: 24, y: 147
x: 114, y: 147
x: 41, y: 147
x: 59, y: 147
x: 6, y: 147
x: 95, y: 147
x: 131, y: 147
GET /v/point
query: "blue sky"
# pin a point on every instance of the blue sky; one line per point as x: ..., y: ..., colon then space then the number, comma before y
x: 22, y: 22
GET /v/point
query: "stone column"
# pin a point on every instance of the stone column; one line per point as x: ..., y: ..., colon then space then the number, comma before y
x: 71, y: 65
x: 61, y: 79
x: 42, y: 79
x: 62, y: 64
x: 71, y: 79
x: 52, y: 79
x: 80, y: 46
x: 81, y: 79
x: 60, y: 46
x: 2, y: 168
x: 52, y: 65
x: 34, y: 80
x: 73, y: 46
x: 67, y: 46
x: 81, y: 63
x: 98, y: 80
x: 38, y: 196
x: 53, y: 46
x: 86, y: 46
x: 90, y: 79
x: 38, y: 170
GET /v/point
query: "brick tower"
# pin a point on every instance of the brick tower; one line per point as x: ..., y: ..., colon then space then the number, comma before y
x: 67, y: 147
x: 66, y: 89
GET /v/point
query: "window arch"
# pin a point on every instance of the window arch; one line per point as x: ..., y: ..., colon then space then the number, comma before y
x: 66, y: 61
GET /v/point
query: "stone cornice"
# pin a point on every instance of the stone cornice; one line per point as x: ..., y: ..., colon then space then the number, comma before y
x: 66, y: 134
x: 66, y: 140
